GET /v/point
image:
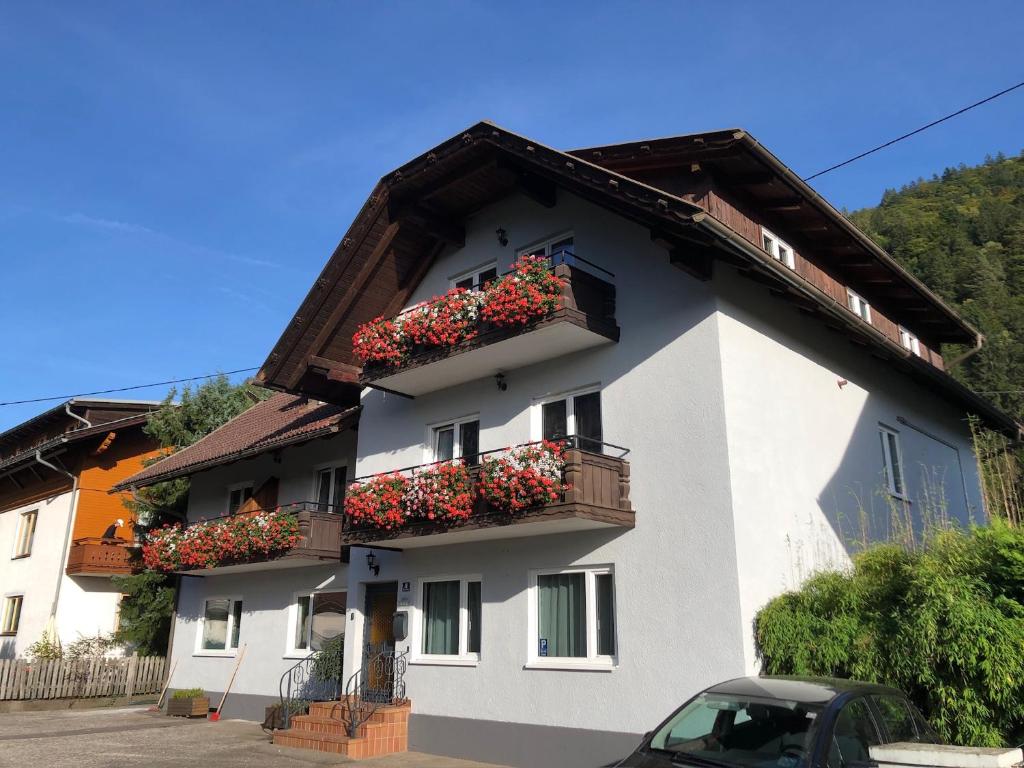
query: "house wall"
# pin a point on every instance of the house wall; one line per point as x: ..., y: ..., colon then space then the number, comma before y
x: 678, y: 626
x: 807, y: 479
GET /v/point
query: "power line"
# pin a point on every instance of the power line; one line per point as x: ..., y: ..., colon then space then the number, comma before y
x: 916, y: 131
x: 128, y: 389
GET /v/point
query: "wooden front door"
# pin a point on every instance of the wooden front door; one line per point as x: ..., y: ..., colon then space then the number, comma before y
x: 379, y: 638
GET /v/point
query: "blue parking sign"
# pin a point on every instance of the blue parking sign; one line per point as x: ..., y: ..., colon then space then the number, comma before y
x: 542, y: 650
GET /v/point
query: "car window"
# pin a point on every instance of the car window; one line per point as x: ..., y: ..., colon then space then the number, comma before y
x: 853, y: 735
x: 896, y: 718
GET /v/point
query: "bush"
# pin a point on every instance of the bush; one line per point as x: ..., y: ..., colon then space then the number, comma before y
x: 329, y: 660
x: 943, y: 623
x: 189, y: 693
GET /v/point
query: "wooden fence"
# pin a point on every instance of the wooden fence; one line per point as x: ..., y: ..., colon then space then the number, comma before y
x: 83, y: 678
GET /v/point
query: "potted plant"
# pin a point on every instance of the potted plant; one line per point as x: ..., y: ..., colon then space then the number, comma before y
x: 189, y: 702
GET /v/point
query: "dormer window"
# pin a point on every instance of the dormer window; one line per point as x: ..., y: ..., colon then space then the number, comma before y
x: 910, y: 341
x: 858, y: 306
x: 779, y: 250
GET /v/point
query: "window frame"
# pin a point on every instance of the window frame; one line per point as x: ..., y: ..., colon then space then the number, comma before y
x: 290, y: 651
x: 474, y: 274
x: 240, y: 486
x: 228, y: 651
x: 544, y: 244
x: 430, y: 449
x: 334, y: 466
x: 538, y: 403
x: 887, y: 463
x: 464, y: 658
x: 777, y: 244
x: 862, y: 308
x: 593, y: 661
x: 22, y: 543
x: 11, y: 616
x: 909, y: 341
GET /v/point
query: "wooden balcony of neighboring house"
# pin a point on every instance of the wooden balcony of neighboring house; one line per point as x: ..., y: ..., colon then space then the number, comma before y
x: 320, y: 528
x: 97, y: 556
x: 595, y: 496
x: 584, y: 318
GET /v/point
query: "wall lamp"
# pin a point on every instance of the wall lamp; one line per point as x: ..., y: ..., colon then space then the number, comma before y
x: 502, y: 236
x: 371, y: 563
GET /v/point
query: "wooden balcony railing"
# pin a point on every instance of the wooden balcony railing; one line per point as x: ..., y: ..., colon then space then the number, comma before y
x: 100, y: 557
x: 596, y: 496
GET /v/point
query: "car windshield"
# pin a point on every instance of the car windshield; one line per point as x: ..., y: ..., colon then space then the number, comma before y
x: 741, y: 731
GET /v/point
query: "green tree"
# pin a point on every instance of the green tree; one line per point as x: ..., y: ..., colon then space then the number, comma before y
x: 149, y: 597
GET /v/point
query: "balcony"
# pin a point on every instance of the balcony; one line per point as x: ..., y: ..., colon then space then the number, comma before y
x: 101, y: 557
x: 584, y: 318
x: 594, y: 496
x: 316, y: 540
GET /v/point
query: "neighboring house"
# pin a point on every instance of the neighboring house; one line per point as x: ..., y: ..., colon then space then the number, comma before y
x: 747, y: 385
x: 62, y: 533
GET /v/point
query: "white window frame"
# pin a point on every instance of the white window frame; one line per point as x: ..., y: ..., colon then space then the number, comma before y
x: 334, y: 466
x: 888, y: 462
x: 26, y: 535
x: 909, y: 341
x: 430, y: 447
x: 593, y: 661
x: 858, y: 305
x: 543, y: 247
x: 238, y: 487
x: 474, y: 274
x: 13, y: 607
x: 538, y: 403
x: 463, y: 658
x: 201, y: 624
x: 776, y: 246
x: 291, y: 652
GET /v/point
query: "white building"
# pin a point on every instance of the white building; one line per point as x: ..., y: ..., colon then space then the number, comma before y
x: 62, y: 534
x: 749, y: 387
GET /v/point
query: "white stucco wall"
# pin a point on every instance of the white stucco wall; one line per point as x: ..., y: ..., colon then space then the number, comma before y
x: 805, y: 454
x: 675, y: 573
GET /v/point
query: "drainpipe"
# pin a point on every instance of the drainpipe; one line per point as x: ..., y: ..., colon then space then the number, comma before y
x: 979, y: 342
x: 73, y: 415
x: 67, y: 533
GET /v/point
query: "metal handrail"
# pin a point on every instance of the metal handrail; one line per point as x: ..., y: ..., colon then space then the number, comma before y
x: 295, y: 683
x: 288, y: 507
x: 571, y: 441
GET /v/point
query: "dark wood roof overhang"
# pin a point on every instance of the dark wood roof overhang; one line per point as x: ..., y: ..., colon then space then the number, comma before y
x: 412, y: 214
x: 737, y: 162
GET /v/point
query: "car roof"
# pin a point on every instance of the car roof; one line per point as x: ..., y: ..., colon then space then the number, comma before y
x: 805, y: 690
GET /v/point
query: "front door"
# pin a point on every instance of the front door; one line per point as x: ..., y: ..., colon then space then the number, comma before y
x: 379, y: 638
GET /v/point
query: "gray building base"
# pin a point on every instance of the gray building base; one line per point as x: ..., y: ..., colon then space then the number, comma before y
x: 239, y: 706
x: 518, y: 744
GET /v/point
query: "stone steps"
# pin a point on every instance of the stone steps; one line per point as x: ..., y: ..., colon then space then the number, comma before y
x: 322, y: 730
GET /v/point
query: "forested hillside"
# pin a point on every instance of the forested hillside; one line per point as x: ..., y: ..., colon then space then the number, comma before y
x: 962, y: 233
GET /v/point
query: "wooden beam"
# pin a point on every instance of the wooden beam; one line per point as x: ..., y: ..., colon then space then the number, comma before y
x: 436, y: 226
x: 695, y: 261
x: 334, y: 370
x: 788, y: 204
x: 34, y: 471
x: 16, y: 481
x: 344, y: 305
x: 537, y: 188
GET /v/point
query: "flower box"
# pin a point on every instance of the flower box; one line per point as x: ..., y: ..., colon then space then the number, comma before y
x: 194, y: 707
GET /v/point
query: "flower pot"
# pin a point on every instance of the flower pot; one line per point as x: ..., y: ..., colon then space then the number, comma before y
x: 198, y: 707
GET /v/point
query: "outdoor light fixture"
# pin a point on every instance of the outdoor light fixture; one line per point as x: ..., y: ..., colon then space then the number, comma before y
x: 502, y: 236
x: 371, y: 563
x: 499, y: 379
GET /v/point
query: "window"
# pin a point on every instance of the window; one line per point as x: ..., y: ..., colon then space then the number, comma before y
x: 12, y: 615
x: 330, y: 488
x: 559, y: 250
x: 573, y: 616
x: 779, y: 250
x: 577, y: 414
x: 26, y: 533
x: 897, y: 719
x: 317, y: 617
x: 892, y: 461
x: 451, y: 619
x: 221, y: 625
x: 909, y: 341
x: 456, y: 440
x: 476, y: 278
x: 858, y: 306
x: 855, y: 733
x: 238, y: 495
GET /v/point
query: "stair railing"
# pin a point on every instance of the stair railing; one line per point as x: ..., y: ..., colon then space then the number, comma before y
x: 379, y: 682
x: 303, y: 683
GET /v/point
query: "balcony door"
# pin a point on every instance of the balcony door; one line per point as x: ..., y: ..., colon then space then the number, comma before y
x: 576, y: 415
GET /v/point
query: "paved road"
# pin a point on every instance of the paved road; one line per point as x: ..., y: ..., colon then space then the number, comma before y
x: 125, y: 738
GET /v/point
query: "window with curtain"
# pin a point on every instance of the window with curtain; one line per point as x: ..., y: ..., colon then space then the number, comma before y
x: 222, y: 622
x: 458, y: 440
x: 318, y: 618
x: 11, y: 615
x: 451, y: 618
x: 330, y: 488
x: 578, y: 415
x: 26, y: 533
x: 575, y: 615
x: 892, y: 462
x: 477, y: 278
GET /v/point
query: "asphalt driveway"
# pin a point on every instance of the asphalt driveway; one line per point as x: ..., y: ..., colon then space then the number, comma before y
x: 119, y: 738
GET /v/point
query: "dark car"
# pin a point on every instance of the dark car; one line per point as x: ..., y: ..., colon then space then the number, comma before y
x: 783, y: 722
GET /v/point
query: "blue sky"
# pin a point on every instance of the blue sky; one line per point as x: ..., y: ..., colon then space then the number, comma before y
x: 174, y: 175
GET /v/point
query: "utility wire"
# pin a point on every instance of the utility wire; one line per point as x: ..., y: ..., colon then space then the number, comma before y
x: 128, y: 389
x: 916, y: 131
